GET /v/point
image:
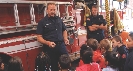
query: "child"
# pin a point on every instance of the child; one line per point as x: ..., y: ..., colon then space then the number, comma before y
x: 1, y: 65
x: 82, y: 49
x: 130, y: 41
x: 42, y: 62
x: 64, y: 62
x: 15, y: 64
x: 86, y: 56
x: 112, y: 62
x: 105, y: 47
x: 121, y: 50
x: 129, y: 59
x: 97, y: 57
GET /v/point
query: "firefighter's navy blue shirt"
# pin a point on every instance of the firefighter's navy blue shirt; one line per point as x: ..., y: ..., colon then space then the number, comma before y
x: 97, y: 20
x: 51, y: 28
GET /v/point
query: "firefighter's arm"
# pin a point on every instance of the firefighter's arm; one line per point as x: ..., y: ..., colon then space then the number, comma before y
x: 43, y: 41
x: 40, y: 39
x: 103, y: 27
x: 90, y: 26
x: 65, y: 37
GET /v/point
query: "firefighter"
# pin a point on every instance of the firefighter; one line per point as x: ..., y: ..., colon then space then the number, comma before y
x: 3, y: 66
x: 96, y: 25
x: 53, y: 35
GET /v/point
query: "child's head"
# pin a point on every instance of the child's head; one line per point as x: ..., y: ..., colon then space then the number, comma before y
x: 83, y: 48
x: 1, y: 64
x: 15, y: 64
x: 131, y: 37
x: 112, y: 59
x: 65, y: 61
x: 87, y: 56
x: 105, y: 45
x: 93, y: 43
x: 116, y: 40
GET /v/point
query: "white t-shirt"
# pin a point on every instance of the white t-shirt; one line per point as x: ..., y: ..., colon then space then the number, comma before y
x: 108, y: 68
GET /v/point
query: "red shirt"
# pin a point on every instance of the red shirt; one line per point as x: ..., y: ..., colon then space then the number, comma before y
x: 89, y: 67
x: 97, y: 57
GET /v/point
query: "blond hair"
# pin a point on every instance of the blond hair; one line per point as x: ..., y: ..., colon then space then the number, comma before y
x: 95, y: 6
x: 106, y: 45
x: 93, y: 43
x: 50, y: 4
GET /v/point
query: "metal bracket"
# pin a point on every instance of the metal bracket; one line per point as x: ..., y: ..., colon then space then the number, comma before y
x: 16, y: 15
x: 17, y: 39
x: 32, y: 14
x: 36, y: 2
x: 58, y: 10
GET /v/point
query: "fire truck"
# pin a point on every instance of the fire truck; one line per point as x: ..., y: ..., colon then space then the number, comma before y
x: 18, y: 23
x: 19, y: 20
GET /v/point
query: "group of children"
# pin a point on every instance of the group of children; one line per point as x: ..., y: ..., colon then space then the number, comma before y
x: 108, y: 55
x: 15, y: 64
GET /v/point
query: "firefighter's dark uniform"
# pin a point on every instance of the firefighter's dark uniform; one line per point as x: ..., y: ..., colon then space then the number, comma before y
x: 51, y: 28
x: 97, y: 20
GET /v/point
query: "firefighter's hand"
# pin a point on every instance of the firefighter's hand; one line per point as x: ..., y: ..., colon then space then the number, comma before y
x: 97, y: 26
x: 66, y: 41
x: 51, y: 44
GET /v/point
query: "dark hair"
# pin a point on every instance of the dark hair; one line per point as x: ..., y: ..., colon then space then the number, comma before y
x: 131, y: 35
x: 113, y: 59
x: 1, y: 61
x: 50, y: 4
x: 87, y: 56
x: 15, y: 64
x: 82, y: 49
x: 117, y: 38
x: 93, y: 43
x: 64, y: 61
x: 94, y: 6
